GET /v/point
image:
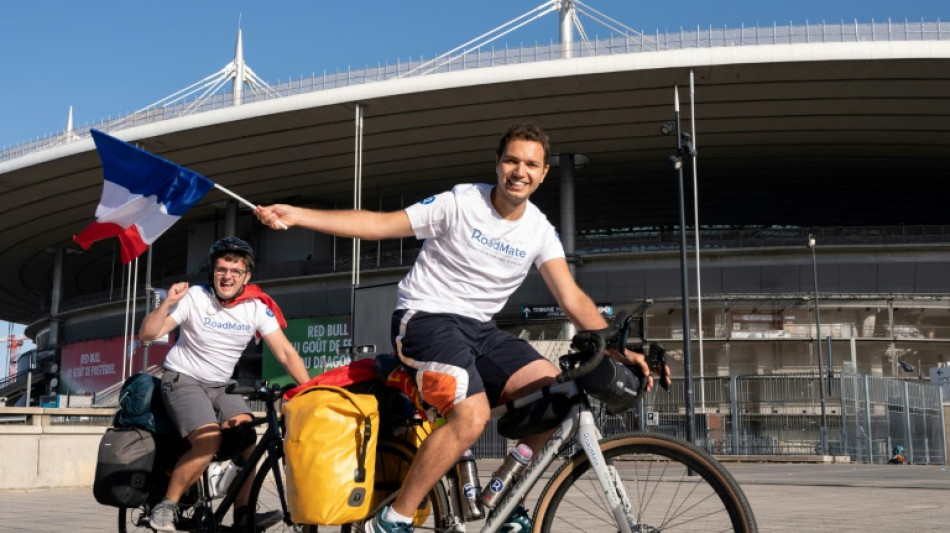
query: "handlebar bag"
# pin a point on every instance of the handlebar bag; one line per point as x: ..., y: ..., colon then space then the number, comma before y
x: 330, y: 449
x: 614, y: 384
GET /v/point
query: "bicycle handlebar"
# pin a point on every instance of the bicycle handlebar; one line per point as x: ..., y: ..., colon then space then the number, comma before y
x: 595, y: 342
x: 263, y: 392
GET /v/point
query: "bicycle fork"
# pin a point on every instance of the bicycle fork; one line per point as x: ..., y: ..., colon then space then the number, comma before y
x: 588, y: 436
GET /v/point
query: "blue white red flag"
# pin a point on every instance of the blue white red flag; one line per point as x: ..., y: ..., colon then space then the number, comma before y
x: 143, y: 195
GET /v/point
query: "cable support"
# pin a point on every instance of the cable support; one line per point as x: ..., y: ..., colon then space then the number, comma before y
x: 627, y: 30
x: 535, y: 14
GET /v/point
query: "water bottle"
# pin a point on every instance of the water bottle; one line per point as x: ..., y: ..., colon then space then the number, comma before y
x: 505, y: 476
x: 469, y: 487
x: 220, y: 483
x: 215, y: 470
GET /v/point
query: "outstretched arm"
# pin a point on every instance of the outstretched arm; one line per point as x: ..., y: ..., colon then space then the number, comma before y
x: 582, y: 311
x: 360, y: 224
x: 286, y: 355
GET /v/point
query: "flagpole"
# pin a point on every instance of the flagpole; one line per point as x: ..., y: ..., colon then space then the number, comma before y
x: 149, y: 290
x: 243, y: 201
x: 135, y: 291
x: 125, y: 327
x: 699, y: 291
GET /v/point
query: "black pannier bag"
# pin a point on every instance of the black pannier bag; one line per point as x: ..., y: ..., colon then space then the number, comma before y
x: 124, y: 467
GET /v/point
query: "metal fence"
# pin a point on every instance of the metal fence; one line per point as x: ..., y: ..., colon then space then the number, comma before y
x: 477, y: 57
x: 864, y: 417
x: 881, y: 413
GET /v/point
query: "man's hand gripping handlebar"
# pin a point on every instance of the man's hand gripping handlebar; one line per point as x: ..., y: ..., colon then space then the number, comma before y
x: 613, y: 339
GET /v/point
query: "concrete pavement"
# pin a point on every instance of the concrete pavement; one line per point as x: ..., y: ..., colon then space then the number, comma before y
x: 784, y: 497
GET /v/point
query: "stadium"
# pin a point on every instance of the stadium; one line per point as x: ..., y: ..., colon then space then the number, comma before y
x: 817, y: 180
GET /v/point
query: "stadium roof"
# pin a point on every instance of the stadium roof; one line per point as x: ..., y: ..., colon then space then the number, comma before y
x: 809, y: 134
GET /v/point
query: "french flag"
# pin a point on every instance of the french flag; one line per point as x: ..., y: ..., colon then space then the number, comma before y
x: 143, y: 195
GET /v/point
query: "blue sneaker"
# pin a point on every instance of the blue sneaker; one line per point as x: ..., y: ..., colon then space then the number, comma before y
x: 517, y: 522
x: 378, y: 524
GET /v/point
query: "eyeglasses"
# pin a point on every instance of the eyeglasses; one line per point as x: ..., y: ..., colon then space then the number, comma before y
x: 235, y: 272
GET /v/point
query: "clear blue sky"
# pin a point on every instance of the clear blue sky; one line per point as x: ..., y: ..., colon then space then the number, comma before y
x: 109, y: 58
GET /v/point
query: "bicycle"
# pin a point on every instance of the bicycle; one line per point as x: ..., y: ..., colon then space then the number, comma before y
x: 198, y: 510
x: 634, y: 482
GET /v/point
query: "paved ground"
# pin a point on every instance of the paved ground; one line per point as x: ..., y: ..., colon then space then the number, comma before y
x: 794, y: 497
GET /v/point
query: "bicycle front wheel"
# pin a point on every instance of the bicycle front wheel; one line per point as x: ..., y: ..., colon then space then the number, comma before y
x: 670, y: 485
x: 265, y: 498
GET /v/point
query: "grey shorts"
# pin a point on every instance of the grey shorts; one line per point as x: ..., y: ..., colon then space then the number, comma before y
x: 192, y: 403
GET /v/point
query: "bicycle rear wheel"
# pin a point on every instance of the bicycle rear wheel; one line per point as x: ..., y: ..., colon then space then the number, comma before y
x: 663, y: 496
x: 393, y: 457
x: 193, y: 509
x: 134, y: 519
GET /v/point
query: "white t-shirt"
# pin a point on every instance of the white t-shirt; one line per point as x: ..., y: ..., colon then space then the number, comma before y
x: 472, y: 259
x: 211, y: 338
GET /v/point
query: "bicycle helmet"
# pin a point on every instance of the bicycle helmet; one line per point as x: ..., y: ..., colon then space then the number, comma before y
x: 231, y: 245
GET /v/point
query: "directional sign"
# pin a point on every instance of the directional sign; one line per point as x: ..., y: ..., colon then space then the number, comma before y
x: 554, y: 311
x: 940, y: 376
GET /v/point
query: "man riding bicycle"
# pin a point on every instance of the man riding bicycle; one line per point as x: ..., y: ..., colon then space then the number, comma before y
x: 216, y: 321
x: 480, y: 243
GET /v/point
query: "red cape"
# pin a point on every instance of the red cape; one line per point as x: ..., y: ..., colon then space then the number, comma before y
x: 253, y: 291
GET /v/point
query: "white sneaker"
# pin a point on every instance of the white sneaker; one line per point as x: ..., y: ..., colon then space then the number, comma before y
x: 164, y: 516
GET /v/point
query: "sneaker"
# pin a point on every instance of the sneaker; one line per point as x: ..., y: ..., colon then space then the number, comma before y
x: 518, y: 521
x: 164, y: 516
x: 378, y: 524
x: 262, y: 521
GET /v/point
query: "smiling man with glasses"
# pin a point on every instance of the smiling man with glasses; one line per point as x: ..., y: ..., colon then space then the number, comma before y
x: 216, y: 321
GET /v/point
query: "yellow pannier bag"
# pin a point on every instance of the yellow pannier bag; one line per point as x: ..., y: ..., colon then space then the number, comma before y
x: 330, y: 449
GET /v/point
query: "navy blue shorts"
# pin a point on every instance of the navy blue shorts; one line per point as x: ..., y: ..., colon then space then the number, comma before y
x: 455, y: 357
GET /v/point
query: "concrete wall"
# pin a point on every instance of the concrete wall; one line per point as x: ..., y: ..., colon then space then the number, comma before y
x: 40, y: 448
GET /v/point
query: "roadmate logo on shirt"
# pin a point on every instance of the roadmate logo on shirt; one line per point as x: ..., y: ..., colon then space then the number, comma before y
x: 226, y: 326
x: 499, y: 246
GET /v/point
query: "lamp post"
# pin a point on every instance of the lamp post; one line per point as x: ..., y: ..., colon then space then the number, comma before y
x: 823, y: 445
x: 684, y: 147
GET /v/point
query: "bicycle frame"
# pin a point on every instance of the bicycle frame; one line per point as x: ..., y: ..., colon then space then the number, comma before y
x: 578, y: 422
x: 270, y: 442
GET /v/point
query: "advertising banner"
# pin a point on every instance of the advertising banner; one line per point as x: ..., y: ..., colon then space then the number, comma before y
x: 92, y: 366
x: 317, y: 341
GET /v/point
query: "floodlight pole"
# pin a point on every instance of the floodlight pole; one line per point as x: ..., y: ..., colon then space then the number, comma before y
x: 823, y: 443
x: 684, y: 149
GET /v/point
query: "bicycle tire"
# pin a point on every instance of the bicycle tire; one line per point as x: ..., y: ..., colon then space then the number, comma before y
x: 663, y: 496
x: 265, y: 497
x: 393, y: 458
x: 135, y: 519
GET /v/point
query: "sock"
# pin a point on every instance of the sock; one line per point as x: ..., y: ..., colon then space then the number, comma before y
x: 392, y: 516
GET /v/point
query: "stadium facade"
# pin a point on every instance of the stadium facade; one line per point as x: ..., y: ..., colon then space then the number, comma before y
x: 832, y: 131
